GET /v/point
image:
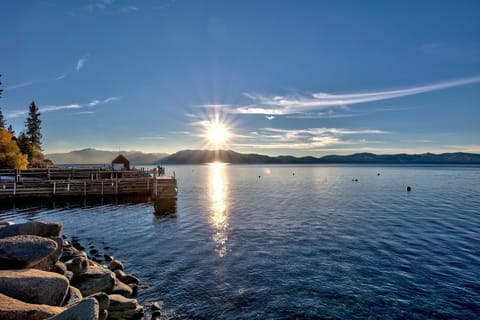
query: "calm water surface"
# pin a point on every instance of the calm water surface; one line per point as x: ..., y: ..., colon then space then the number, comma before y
x: 297, y: 242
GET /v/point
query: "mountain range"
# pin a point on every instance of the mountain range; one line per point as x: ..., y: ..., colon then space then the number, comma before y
x: 93, y: 156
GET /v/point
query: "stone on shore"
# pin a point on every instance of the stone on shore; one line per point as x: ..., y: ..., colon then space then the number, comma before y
x: 87, y: 309
x: 77, y: 265
x: 122, y: 288
x: 49, y: 262
x: 25, y: 251
x: 116, y: 265
x: 34, y: 286
x: 73, y: 296
x: 124, y: 308
x: 36, y: 228
x: 13, y: 309
x: 128, y: 279
x: 95, y: 279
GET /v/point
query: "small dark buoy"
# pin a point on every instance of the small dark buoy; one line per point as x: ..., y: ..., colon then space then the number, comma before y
x: 409, y: 188
x: 259, y: 177
x: 356, y: 180
x: 378, y: 174
x: 293, y: 173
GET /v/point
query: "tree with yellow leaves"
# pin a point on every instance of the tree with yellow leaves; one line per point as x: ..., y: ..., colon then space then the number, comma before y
x: 10, y: 155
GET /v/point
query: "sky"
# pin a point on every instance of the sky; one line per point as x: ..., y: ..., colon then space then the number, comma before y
x: 283, y: 77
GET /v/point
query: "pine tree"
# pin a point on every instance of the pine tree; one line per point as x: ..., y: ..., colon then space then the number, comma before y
x: 1, y: 90
x: 33, y: 125
x: 34, y: 137
x: 2, y: 119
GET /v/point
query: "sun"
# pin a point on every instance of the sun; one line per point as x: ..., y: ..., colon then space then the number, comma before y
x: 217, y: 134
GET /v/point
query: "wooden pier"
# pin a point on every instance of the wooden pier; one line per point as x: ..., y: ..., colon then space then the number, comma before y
x: 85, y: 182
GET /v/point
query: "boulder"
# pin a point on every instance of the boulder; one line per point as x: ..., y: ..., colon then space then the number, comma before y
x: 36, y: 228
x: 116, y: 265
x: 124, y: 308
x: 68, y: 252
x: 49, y: 262
x: 24, y: 251
x: 122, y: 288
x: 95, y: 279
x: 59, y: 268
x: 73, y: 296
x: 103, y: 304
x: 13, y: 309
x: 34, y: 286
x: 87, y: 309
x: 77, y: 265
x: 128, y: 279
x: 102, y: 299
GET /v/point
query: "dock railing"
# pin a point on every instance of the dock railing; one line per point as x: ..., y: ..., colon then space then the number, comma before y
x: 81, y: 181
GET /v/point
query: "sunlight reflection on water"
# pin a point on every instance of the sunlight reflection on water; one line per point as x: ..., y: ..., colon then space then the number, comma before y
x: 219, y: 206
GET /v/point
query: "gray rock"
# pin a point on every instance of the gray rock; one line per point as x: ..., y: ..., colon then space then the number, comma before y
x: 13, y: 309
x: 95, y: 279
x: 24, y: 251
x: 103, y: 314
x: 128, y: 279
x: 87, y: 309
x: 119, y: 273
x: 124, y: 308
x: 36, y: 228
x: 73, y: 296
x: 34, y: 286
x: 69, y: 252
x: 59, y: 268
x: 116, y: 265
x: 49, y: 262
x: 102, y: 299
x: 78, y: 265
x: 123, y: 289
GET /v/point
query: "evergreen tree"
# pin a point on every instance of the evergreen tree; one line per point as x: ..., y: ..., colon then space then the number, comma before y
x: 34, y: 146
x: 12, y: 132
x: 33, y: 125
x: 1, y: 90
x: 2, y: 120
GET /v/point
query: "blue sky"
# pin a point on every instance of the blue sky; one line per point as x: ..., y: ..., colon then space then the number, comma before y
x: 286, y: 77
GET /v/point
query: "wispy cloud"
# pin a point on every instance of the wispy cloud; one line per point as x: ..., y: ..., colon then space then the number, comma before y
x: 50, y: 108
x: 81, y: 62
x: 19, y: 85
x: 152, y: 138
x: 304, y: 139
x: 127, y: 9
x: 294, y: 104
x: 215, y: 105
x: 62, y: 76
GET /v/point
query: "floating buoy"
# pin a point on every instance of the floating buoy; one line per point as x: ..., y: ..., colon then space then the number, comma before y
x: 259, y: 177
x: 409, y: 188
x: 378, y: 174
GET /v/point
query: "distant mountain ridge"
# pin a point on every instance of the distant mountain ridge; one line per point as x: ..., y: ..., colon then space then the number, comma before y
x: 229, y: 156
x: 93, y: 156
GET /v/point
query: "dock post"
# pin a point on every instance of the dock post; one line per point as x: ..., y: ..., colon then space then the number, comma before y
x: 54, y: 187
x: 85, y: 188
x: 102, y: 188
x: 14, y: 188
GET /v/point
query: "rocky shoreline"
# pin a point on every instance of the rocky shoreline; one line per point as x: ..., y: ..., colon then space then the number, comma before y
x: 44, y: 276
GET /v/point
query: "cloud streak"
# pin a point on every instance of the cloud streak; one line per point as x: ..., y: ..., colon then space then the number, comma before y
x: 293, y: 104
x: 304, y: 139
x: 81, y: 62
x: 50, y: 108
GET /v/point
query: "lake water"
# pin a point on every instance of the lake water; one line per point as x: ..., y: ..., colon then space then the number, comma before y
x: 296, y: 242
